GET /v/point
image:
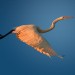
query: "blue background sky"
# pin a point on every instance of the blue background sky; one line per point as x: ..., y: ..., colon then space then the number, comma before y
x: 17, y: 58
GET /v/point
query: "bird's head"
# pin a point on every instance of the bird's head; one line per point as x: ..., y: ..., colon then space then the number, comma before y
x: 64, y: 17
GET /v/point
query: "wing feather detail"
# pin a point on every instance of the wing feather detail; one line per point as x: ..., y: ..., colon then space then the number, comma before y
x: 34, y: 39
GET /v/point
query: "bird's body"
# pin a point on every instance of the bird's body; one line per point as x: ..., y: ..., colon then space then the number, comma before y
x: 30, y: 35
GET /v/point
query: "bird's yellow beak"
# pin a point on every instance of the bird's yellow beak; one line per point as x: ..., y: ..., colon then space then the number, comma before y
x: 65, y: 17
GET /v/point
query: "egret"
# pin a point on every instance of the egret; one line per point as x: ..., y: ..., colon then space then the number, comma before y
x: 31, y: 35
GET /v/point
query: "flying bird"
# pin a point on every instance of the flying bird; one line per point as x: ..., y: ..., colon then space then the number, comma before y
x: 31, y: 35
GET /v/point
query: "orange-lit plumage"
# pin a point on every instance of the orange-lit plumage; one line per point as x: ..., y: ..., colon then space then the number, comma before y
x: 31, y: 35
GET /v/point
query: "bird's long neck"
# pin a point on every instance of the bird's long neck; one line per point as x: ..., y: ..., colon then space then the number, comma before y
x: 2, y: 36
x: 51, y: 26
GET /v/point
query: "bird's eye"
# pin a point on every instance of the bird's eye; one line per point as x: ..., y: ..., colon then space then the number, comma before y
x: 63, y: 17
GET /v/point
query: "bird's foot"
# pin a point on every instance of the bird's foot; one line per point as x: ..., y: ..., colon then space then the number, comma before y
x: 1, y: 36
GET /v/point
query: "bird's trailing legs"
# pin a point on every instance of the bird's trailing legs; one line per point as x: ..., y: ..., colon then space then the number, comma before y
x: 2, y: 36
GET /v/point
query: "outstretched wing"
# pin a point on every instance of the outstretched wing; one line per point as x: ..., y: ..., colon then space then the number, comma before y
x: 33, y: 38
